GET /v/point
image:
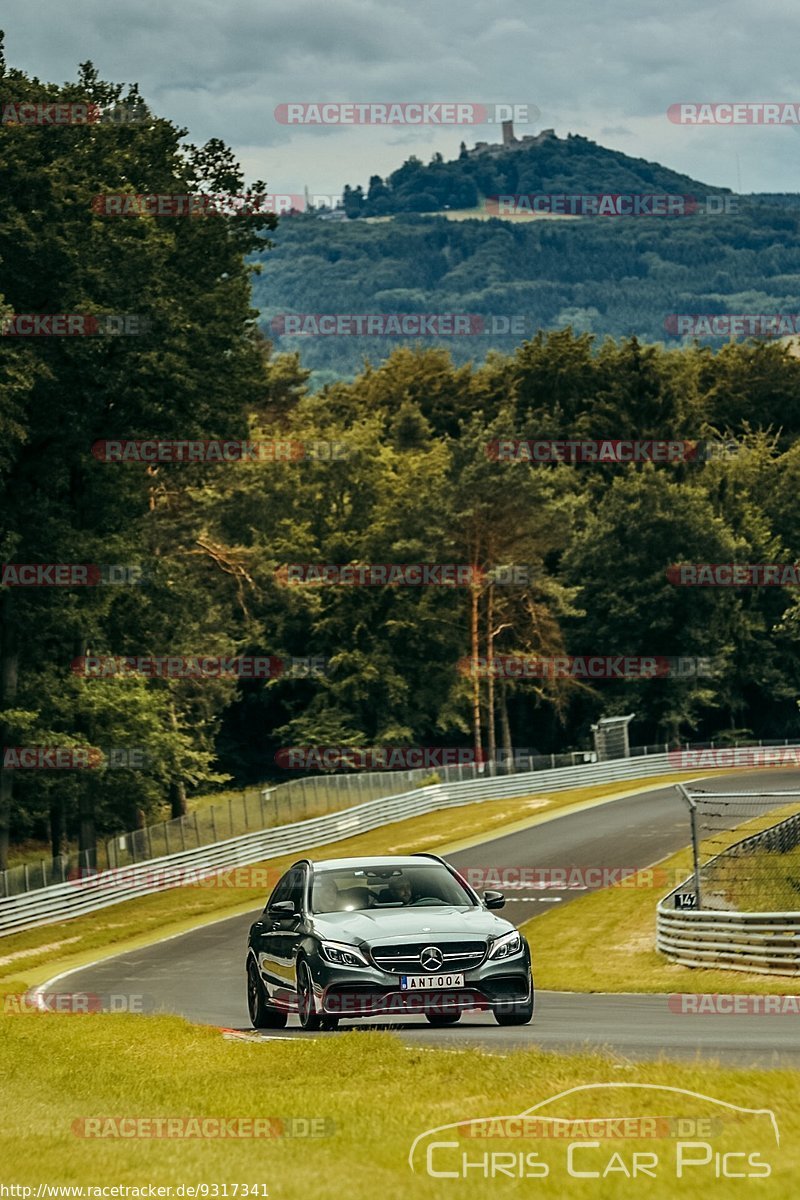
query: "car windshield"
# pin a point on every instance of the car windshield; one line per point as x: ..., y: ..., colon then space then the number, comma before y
x: 347, y: 889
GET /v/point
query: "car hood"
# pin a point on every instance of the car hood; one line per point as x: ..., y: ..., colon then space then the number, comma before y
x: 400, y: 924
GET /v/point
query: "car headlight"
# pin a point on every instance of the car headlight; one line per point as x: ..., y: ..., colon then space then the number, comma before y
x: 342, y: 955
x: 505, y: 946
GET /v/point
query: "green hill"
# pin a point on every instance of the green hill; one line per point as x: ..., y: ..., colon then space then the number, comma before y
x: 617, y: 276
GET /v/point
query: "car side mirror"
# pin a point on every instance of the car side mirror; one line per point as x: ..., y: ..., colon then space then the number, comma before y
x: 494, y: 899
x: 283, y: 908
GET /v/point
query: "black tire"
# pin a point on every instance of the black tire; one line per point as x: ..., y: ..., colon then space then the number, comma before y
x: 262, y: 1014
x: 442, y: 1017
x: 310, y: 1019
x: 515, y: 1014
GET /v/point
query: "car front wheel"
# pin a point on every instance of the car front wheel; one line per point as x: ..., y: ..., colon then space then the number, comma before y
x: 515, y: 1014
x: 443, y: 1016
x: 310, y: 1019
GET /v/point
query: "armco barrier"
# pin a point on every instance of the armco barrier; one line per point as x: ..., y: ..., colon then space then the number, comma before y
x: 766, y: 943
x: 65, y: 900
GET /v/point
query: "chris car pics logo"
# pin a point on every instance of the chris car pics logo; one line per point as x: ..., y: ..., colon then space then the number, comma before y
x: 603, y: 1132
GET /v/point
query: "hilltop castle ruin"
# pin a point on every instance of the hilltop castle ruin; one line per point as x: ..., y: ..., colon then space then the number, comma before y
x: 509, y: 142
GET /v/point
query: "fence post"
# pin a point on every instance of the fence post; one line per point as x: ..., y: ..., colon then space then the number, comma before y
x: 196, y: 828
x: 27, y: 878
x: 263, y: 819
x: 213, y: 824
x: 230, y: 813
x: 44, y: 876
x: 244, y: 804
x: 166, y: 838
x: 183, y: 831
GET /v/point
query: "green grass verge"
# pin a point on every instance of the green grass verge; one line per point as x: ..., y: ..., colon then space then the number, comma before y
x: 376, y: 1096
x: 36, y: 955
x: 605, y: 942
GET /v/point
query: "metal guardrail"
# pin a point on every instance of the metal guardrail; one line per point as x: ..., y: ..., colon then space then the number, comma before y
x: 256, y: 808
x: 766, y: 943
x: 63, y: 901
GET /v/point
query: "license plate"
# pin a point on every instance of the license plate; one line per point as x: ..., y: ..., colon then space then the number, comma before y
x: 430, y: 983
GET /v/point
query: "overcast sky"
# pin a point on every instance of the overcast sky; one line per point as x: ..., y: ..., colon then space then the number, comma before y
x: 608, y: 71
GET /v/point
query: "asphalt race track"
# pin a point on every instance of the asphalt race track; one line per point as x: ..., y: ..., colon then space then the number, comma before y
x: 201, y: 974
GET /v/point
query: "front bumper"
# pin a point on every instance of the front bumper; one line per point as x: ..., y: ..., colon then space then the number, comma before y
x: 366, y: 992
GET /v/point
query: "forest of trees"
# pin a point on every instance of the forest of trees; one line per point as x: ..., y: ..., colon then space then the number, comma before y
x: 616, y: 276
x: 415, y: 484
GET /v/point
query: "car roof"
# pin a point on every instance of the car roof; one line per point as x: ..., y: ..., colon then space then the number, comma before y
x: 375, y: 860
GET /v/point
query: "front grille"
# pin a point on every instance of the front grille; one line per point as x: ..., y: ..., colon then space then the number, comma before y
x: 404, y: 958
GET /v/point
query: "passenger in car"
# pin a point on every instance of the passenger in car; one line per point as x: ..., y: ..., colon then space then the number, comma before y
x: 354, y: 898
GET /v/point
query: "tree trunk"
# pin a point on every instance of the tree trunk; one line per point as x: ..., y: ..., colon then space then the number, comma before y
x: 177, y: 789
x: 9, y: 675
x: 58, y: 828
x: 505, y: 728
x: 476, y: 687
x: 491, y: 725
x: 87, y: 837
x: 177, y: 798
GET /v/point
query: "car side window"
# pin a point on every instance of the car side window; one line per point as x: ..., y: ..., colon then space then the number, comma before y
x: 297, y: 880
x: 290, y: 887
x: 281, y: 891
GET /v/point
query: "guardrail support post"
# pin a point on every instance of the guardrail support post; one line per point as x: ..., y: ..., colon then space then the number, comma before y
x: 695, y: 845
